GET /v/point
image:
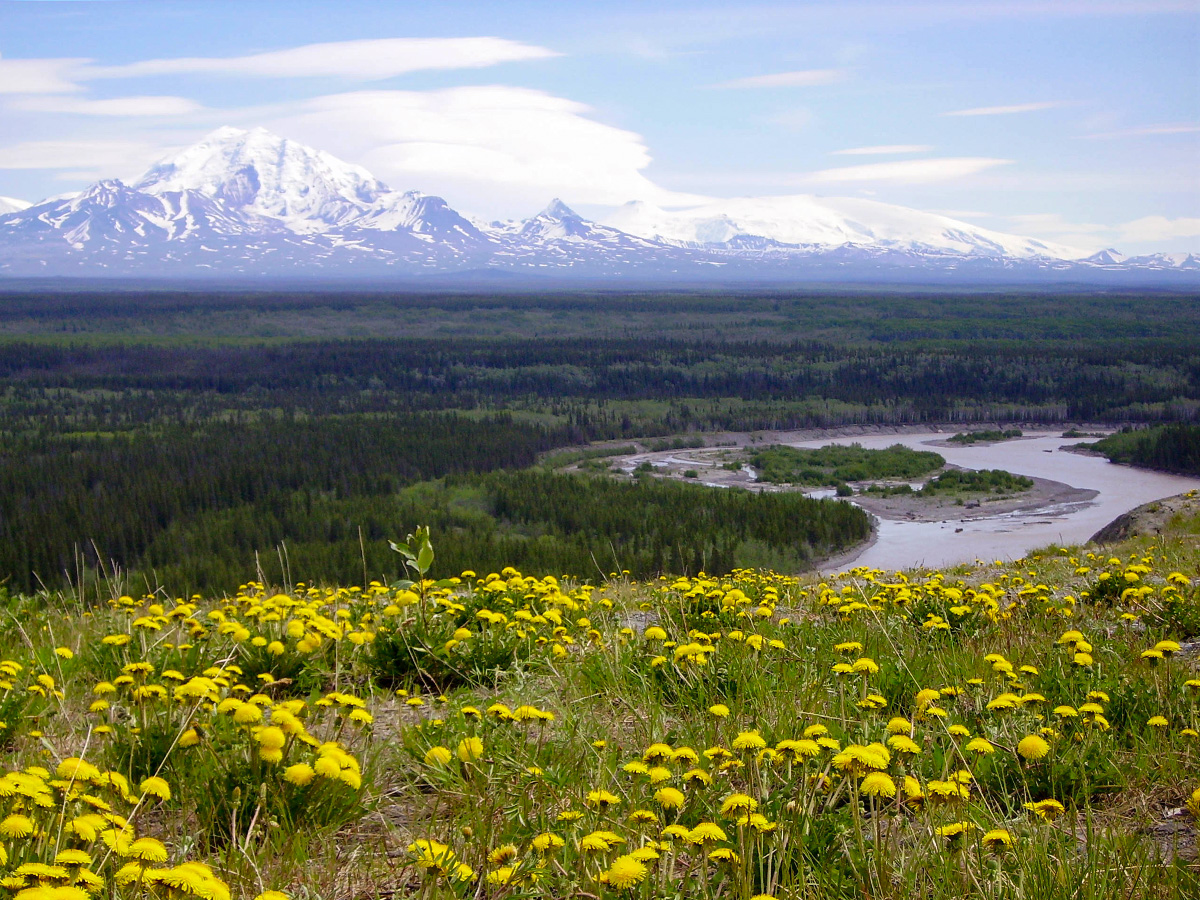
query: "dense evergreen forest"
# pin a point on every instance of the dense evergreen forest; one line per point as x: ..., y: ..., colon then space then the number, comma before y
x: 1172, y: 448
x: 177, y: 435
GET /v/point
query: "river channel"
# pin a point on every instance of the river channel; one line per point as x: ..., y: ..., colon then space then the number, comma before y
x: 902, y: 544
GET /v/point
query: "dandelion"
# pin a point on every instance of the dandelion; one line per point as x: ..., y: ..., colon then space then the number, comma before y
x: 16, y: 826
x: 982, y: 746
x: 438, y: 756
x: 706, y: 833
x: 669, y: 798
x: 738, y: 804
x: 599, y: 842
x: 1049, y: 809
x: 602, y: 799
x: 155, y: 787
x: 955, y: 832
x: 1033, y: 747
x: 626, y: 872
x: 470, y: 749
x: 903, y: 744
x: 502, y: 854
x: 878, y: 784
x: 997, y: 840
x: 547, y: 842
x: 749, y: 740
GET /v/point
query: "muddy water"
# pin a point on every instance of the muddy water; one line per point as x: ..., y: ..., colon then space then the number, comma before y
x: 903, y: 544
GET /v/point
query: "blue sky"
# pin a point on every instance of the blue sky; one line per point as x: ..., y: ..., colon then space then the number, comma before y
x: 1076, y: 121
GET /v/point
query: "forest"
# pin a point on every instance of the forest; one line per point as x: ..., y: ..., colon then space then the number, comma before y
x: 186, y: 439
x: 1172, y: 448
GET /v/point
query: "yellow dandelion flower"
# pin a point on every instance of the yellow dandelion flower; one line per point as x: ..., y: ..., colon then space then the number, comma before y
x: 878, y: 784
x: 470, y: 749
x: 626, y: 872
x: 997, y: 840
x: 669, y: 798
x: 738, y: 805
x: 1033, y: 747
x: 155, y: 787
x: 706, y: 833
x: 749, y: 740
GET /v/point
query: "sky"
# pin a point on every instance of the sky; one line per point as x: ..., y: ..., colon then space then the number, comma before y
x: 1075, y: 121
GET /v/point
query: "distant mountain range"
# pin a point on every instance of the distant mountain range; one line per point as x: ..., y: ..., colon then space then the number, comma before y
x: 250, y: 203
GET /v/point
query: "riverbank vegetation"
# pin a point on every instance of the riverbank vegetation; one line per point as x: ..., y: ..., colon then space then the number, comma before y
x: 1172, y: 448
x: 837, y: 464
x: 961, y: 483
x: 987, y: 435
x: 1003, y: 730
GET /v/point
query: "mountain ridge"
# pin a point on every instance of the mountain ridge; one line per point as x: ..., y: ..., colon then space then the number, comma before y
x: 250, y: 202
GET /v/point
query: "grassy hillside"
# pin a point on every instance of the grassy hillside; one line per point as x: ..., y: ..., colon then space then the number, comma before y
x: 1015, y: 730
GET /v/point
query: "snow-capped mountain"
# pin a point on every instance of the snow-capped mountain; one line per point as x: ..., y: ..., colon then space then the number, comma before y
x: 806, y: 222
x: 253, y: 203
x: 308, y: 190
x: 11, y: 205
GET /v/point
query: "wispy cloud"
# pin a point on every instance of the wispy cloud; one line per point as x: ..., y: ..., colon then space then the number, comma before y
x: 364, y: 59
x: 1006, y: 110
x: 1147, y: 131
x: 911, y: 171
x: 1052, y: 224
x: 491, y: 146
x: 884, y: 150
x: 1159, y: 228
x: 801, y: 78
x: 961, y: 213
x: 117, y: 106
x: 92, y: 155
x: 39, y: 76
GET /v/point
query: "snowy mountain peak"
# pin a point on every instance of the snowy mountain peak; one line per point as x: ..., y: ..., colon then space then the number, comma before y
x: 556, y: 209
x: 11, y: 205
x: 269, y: 175
x: 1107, y: 257
x: 808, y: 222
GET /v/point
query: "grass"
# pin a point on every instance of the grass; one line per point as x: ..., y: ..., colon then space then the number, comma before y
x: 1019, y: 729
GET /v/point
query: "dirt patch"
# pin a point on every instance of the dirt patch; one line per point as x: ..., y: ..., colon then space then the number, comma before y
x: 1053, y: 497
x: 1151, y: 518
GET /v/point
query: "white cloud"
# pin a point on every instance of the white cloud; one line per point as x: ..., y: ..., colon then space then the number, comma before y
x: 38, y: 76
x: 793, y: 119
x: 1006, y: 110
x: 1159, y: 228
x: 884, y: 150
x: 118, y: 106
x: 493, y: 147
x: 961, y: 213
x: 365, y: 59
x: 89, y: 155
x: 1053, y: 223
x: 1147, y: 131
x: 1087, y: 236
x: 803, y: 78
x: 911, y: 171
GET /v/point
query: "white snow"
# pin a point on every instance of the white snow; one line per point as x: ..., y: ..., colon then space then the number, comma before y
x: 12, y: 205
x: 803, y: 220
x: 309, y: 190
